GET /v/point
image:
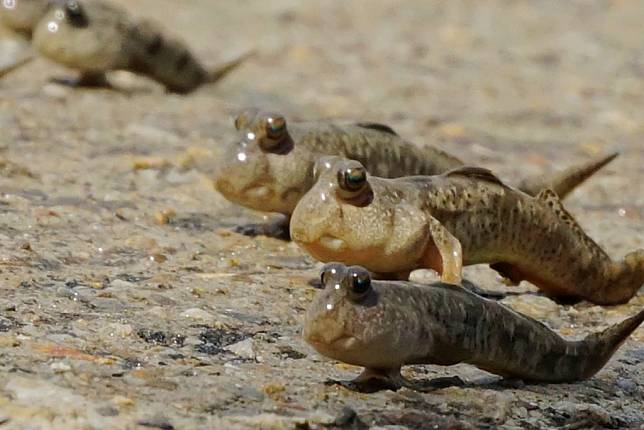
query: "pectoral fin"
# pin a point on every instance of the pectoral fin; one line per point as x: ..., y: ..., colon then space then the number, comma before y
x: 445, y: 254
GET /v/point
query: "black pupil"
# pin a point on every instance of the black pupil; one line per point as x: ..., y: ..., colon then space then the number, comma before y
x: 73, y: 8
x: 75, y: 14
x: 277, y: 127
x: 360, y: 285
x: 355, y: 177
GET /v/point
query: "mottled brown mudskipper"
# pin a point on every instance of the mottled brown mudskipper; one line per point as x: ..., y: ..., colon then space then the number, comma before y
x: 95, y: 37
x: 270, y: 167
x: 383, y: 325
x: 22, y: 16
x: 462, y: 217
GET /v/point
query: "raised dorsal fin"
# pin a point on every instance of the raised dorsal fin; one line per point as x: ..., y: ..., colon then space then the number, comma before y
x: 479, y: 173
x: 552, y: 200
x: 377, y: 126
x: 223, y: 69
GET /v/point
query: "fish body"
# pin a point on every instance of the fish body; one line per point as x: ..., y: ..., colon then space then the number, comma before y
x: 271, y: 166
x: 465, y: 216
x: 22, y: 16
x: 96, y: 36
x: 383, y: 325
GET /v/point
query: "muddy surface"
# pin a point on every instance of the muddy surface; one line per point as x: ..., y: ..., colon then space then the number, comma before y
x: 126, y: 303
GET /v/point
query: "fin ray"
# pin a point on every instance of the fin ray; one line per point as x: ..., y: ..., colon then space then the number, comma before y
x: 376, y: 126
x: 479, y: 173
x: 220, y: 71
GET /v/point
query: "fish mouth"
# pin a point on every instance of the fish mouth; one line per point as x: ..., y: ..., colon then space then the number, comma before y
x: 258, y: 192
x: 341, y: 343
x: 251, y: 192
x: 332, y: 243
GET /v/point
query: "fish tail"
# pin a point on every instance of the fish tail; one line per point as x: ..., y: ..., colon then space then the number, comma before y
x: 601, y: 346
x: 564, y: 182
x: 166, y: 59
x: 221, y: 70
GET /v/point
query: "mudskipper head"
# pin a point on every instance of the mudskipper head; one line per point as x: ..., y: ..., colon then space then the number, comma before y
x: 347, y: 216
x: 349, y: 319
x: 22, y: 16
x: 264, y: 169
x: 83, y: 34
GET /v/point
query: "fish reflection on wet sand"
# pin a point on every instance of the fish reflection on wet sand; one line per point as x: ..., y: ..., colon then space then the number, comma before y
x: 383, y: 325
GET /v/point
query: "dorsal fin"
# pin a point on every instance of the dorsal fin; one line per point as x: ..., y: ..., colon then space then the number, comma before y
x: 221, y: 70
x: 479, y: 173
x: 377, y: 126
x: 552, y: 200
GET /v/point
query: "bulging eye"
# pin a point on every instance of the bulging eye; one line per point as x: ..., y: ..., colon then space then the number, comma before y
x: 275, y: 138
x: 240, y: 121
x: 244, y: 117
x: 323, y: 164
x: 360, y: 282
x: 275, y: 127
x: 330, y: 271
x: 352, y: 178
x: 75, y: 14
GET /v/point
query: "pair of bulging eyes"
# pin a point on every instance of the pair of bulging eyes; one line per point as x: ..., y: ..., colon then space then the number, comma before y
x: 357, y: 279
x: 75, y: 14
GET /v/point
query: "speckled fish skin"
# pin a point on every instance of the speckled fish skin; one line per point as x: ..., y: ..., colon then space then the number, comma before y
x: 274, y: 180
x: 94, y: 37
x: 22, y: 16
x: 393, y: 226
x: 272, y: 174
x: 396, y: 323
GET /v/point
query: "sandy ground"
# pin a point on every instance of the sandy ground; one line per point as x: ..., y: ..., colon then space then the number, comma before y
x: 125, y: 303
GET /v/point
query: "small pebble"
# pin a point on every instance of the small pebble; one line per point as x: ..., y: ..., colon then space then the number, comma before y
x: 243, y: 349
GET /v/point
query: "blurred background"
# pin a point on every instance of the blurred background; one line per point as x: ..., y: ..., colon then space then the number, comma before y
x: 110, y: 190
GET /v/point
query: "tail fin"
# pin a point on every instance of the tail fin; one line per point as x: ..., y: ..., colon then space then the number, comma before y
x: 567, y: 180
x: 603, y: 345
x: 223, y: 69
x: 17, y: 64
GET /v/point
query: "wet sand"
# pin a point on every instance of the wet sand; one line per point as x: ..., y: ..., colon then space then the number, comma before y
x: 125, y: 302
